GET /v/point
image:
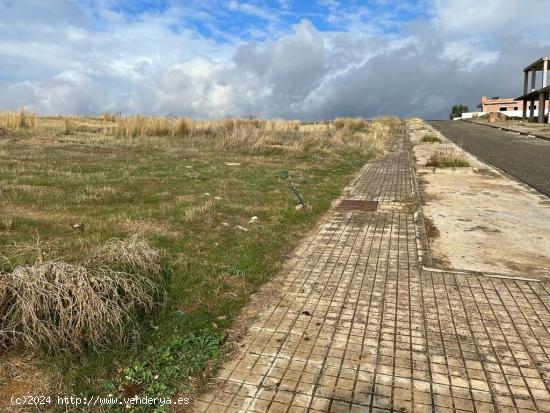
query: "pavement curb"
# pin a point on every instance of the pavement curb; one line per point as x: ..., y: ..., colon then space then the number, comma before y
x: 535, y: 135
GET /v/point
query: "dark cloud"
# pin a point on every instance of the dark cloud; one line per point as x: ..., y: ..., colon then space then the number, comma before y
x: 142, y: 66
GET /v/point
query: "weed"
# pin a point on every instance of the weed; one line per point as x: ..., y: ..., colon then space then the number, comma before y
x: 158, y: 372
x: 110, y: 117
x: 431, y: 139
x: 449, y: 158
x: 57, y: 305
x: 7, y: 224
x: 69, y: 125
x: 432, y: 231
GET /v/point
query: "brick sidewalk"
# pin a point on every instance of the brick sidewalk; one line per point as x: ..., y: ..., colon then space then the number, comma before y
x: 357, y: 325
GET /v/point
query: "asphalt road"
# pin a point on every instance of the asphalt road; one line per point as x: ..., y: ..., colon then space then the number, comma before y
x: 526, y: 158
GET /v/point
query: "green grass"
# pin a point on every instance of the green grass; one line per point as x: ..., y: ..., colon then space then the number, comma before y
x: 179, y: 194
x: 431, y: 139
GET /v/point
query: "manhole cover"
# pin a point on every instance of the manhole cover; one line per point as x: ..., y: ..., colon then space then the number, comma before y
x: 358, y: 205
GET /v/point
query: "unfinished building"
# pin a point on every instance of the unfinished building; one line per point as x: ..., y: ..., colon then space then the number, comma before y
x: 536, y: 97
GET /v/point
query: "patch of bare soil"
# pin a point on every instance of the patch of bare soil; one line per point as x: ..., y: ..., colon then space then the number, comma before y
x: 20, y: 376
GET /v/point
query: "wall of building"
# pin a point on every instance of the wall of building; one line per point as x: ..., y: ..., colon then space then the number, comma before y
x: 500, y: 104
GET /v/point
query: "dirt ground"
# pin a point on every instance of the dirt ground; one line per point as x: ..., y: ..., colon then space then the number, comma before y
x: 486, y: 221
x: 19, y: 377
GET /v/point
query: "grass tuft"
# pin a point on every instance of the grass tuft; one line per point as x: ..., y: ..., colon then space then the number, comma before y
x: 431, y: 139
x: 110, y: 117
x: 17, y: 120
x: 69, y: 125
x: 55, y: 305
x: 449, y: 158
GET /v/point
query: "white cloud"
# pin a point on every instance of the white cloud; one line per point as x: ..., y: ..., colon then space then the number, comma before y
x: 469, y: 55
x: 76, y: 62
x: 491, y: 16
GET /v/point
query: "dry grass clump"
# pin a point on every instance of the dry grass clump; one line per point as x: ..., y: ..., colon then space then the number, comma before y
x: 431, y: 139
x: 141, y: 126
x: 448, y: 158
x: 56, y: 305
x: 17, y: 120
x: 132, y: 255
x: 110, y: 117
x: 69, y: 125
x: 349, y: 123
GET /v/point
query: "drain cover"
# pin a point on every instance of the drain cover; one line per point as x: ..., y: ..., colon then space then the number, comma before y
x: 358, y: 205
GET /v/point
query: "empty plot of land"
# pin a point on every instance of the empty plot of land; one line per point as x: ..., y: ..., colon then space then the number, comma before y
x: 524, y: 157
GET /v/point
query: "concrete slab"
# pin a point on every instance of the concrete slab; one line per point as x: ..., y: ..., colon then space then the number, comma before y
x: 486, y: 220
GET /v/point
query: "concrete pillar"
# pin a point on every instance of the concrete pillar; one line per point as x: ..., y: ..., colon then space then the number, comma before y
x: 525, y: 103
x: 544, y: 73
x: 533, y: 79
x: 541, y: 106
x: 532, y: 110
x: 525, y: 82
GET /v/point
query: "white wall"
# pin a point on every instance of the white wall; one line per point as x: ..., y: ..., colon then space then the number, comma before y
x: 513, y: 113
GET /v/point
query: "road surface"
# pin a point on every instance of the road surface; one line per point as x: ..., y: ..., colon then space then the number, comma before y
x: 526, y: 158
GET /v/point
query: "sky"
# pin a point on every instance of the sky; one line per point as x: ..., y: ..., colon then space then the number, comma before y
x: 287, y: 59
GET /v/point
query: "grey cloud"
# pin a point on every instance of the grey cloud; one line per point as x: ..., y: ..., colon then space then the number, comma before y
x: 305, y: 73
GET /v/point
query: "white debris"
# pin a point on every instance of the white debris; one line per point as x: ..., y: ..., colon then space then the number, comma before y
x: 242, y: 228
x: 233, y: 163
x: 253, y: 219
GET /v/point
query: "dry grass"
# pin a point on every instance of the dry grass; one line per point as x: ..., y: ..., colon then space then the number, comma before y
x: 132, y: 255
x: 141, y: 126
x: 69, y: 125
x: 56, y: 305
x: 349, y: 123
x: 17, y: 120
x: 110, y: 117
x: 194, y: 212
x: 260, y: 136
x: 448, y: 158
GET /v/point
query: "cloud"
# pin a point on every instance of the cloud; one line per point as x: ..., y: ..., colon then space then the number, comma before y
x: 181, y: 59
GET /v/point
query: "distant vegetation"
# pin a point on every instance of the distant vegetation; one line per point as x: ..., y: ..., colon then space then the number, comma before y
x: 457, y: 111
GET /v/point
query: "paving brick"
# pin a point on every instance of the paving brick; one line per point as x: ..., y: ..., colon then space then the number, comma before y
x: 383, y: 334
